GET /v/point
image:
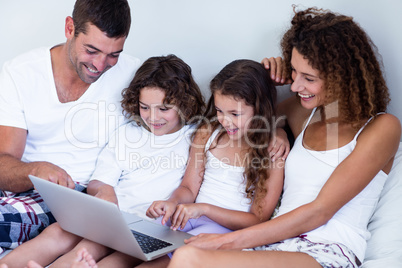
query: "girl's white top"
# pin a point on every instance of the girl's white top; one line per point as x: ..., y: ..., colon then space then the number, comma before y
x: 223, y: 184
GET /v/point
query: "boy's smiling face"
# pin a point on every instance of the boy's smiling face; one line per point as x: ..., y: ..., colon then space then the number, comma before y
x: 160, y: 118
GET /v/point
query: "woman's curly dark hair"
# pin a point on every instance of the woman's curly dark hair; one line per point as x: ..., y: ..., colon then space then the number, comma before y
x: 345, y: 57
x: 248, y: 80
x: 173, y: 76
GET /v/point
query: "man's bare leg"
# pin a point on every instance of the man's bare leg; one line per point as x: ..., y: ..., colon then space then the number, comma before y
x: 189, y: 256
x: 43, y: 249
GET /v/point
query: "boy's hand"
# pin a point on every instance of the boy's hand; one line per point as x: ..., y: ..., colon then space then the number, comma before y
x: 161, y: 208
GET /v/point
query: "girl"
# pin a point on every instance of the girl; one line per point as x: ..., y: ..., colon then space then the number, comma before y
x: 230, y: 175
x: 338, y: 165
x: 144, y: 161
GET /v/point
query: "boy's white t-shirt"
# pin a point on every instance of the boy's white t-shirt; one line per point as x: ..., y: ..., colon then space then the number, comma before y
x: 143, y: 167
x: 70, y: 135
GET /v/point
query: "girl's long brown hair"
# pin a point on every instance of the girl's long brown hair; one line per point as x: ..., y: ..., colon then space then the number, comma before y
x: 249, y: 81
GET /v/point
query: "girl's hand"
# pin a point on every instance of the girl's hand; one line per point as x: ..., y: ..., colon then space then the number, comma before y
x: 211, y: 241
x: 279, y: 146
x: 161, y: 208
x: 184, y: 212
x: 276, y: 67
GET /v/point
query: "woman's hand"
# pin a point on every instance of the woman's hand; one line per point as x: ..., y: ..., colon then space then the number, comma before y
x: 276, y: 67
x: 212, y: 241
x: 279, y: 146
x: 161, y: 208
x: 184, y: 212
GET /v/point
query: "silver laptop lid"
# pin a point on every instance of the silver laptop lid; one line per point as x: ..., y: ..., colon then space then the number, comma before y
x: 87, y: 216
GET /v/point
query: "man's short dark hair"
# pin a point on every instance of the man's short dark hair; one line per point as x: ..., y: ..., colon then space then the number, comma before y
x: 110, y: 16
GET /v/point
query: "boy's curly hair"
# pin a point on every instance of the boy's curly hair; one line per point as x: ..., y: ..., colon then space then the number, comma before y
x: 345, y: 57
x: 171, y: 75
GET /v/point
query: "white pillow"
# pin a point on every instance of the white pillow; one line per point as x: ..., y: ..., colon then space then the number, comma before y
x: 384, y: 248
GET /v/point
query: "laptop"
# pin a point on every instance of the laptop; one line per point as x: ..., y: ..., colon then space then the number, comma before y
x: 102, y: 222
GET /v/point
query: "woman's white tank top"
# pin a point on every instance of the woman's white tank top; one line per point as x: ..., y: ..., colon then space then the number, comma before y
x: 306, y: 171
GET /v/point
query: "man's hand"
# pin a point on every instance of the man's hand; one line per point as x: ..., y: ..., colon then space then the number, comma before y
x: 52, y: 173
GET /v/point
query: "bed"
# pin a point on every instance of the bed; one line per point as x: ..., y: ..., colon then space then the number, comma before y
x: 384, y: 248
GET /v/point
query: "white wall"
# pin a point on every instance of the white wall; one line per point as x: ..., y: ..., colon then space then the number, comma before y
x: 207, y: 34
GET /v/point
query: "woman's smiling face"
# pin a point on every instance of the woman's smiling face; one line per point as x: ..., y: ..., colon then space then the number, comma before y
x: 306, y: 82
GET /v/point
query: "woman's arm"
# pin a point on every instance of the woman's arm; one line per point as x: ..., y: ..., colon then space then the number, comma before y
x: 375, y: 149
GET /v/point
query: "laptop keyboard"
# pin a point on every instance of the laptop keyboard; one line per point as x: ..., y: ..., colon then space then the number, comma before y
x: 149, y: 244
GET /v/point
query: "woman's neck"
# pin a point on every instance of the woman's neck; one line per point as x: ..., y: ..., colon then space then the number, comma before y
x: 329, y: 113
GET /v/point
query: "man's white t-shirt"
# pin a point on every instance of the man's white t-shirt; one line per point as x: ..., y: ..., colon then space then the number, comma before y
x: 143, y: 167
x: 69, y: 135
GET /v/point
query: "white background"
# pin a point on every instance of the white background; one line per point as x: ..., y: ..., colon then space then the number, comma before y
x: 207, y: 34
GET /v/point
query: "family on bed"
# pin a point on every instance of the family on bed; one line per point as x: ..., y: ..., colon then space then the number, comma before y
x: 236, y: 166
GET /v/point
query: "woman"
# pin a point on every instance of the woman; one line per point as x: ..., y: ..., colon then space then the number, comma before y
x: 344, y: 149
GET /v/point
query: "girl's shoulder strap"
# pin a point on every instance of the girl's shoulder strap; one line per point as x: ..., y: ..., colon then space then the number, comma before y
x: 212, y: 138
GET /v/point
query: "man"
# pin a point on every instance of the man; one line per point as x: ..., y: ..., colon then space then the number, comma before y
x: 57, y: 108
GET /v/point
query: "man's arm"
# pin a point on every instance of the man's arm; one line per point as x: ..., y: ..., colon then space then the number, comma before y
x: 14, y: 173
